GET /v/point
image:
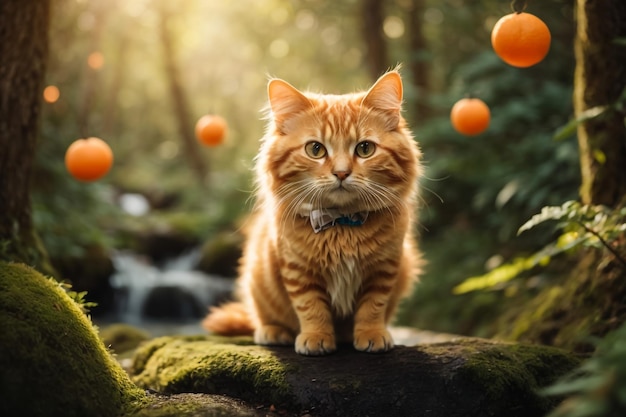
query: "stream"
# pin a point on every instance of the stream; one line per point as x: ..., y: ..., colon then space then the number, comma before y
x: 165, y: 299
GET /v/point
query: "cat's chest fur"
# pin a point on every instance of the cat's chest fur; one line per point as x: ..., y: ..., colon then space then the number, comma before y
x: 343, y: 282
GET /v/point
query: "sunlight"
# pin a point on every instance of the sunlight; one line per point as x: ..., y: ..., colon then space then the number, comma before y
x: 51, y: 94
x: 95, y: 60
x: 279, y: 48
x: 393, y: 27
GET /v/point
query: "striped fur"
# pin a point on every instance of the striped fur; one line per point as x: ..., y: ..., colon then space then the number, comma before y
x: 344, y: 283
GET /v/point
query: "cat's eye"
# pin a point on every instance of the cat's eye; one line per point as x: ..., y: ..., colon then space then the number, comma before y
x: 315, y: 150
x: 365, y: 149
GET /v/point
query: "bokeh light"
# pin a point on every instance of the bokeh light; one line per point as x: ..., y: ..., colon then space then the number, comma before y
x: 51, y: 94
x: 95, y: 60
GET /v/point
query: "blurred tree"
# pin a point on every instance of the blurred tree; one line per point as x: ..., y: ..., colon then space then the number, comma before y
x: 419, y: 62
x: 376, y: 47
x: 94, y: 64
x: 600, y: 91
x: 24, y: 52
x: 180, y: 102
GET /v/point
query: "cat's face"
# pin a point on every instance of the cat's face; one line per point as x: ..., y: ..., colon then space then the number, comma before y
x: 350, y: 152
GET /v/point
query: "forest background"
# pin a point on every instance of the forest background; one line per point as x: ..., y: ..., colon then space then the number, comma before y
x: 138, y: 74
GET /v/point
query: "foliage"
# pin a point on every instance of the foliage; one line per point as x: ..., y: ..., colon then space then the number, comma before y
x: 598, y: 387
x: 79, y: 297
x: 478, y: 190
x: 582, y: 226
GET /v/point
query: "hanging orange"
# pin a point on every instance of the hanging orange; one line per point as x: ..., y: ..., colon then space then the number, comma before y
x: 521, y: 39
x: 211, y: 129
x: 88, y: 159
x: 470, y: 116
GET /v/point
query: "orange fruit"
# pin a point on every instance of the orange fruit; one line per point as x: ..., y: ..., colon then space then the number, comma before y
x: 88, y: 159
x: 520, y: 39
x: 470, y: 116
x: 211, y: 129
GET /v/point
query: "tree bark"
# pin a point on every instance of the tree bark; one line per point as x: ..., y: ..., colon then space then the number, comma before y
x: 418, y: 61
x: 179, y: 100
x: 376, y: 47
x: 23, y: 59
x: 600, y: 80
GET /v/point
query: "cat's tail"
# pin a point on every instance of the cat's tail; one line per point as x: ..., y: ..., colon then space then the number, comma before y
x: 230, y: 319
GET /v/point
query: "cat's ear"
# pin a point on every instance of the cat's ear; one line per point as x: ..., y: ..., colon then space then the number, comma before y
x: 285, y: 101
x: 386, y: 95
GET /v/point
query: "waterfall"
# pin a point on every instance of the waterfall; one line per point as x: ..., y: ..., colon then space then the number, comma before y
x: 136, y: 279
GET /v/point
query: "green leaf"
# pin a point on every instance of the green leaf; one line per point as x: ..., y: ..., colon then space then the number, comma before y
x: 576, y: 385
x: 570, y: 127
x: 550, y: 213
x: 494, y: 277
x: 567, y: 130
x: 599, y: 156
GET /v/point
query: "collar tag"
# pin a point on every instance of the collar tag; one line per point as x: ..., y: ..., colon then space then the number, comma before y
x: 323, y: 219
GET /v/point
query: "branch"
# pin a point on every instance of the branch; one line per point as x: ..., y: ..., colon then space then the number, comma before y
x: 604, y: 243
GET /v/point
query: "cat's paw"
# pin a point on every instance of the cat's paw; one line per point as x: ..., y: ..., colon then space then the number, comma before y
x: 273, y: 335
x: 373, y: 340
x: 315, y: 344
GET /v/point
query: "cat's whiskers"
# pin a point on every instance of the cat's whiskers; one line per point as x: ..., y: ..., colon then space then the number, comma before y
x: 292, y: 196
x: 297, y: 195
x: 382, y: 196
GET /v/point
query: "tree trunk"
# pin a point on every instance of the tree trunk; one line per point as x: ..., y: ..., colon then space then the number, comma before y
x: 600, y: 81
x: 23, y: 58
x: 376, y: 48
x: 179, y: 100
x: 418, y: 59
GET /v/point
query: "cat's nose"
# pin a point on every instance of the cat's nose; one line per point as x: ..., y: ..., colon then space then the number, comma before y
x: 342, y: 175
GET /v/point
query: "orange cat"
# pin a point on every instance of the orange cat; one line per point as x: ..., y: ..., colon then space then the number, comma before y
x: 330, y: 250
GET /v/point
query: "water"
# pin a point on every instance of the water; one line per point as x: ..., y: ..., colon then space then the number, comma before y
x: 172, y: 292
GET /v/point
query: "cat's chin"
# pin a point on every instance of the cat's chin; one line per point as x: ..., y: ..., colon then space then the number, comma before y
x: 342, y: 199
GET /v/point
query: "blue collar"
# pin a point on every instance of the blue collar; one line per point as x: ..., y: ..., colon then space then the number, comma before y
x: 323, y: 219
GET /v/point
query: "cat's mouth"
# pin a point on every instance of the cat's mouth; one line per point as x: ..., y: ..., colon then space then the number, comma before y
x: 341, y: 195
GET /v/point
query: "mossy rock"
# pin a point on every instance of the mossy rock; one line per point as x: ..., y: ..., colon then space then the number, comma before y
x: 197, y: 405
x: 586, y: 303
x: 220, y: 255
x: 51, y: 359
x: 469, y: 376
x: 122, y: 337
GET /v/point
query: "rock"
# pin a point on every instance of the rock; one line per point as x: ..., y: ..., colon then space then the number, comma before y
x: 171, y: 302
x: 51, y: 359
x: 456, y: 378
x: 220, y: 255
x: 122, y: 337
x: 196, y: 405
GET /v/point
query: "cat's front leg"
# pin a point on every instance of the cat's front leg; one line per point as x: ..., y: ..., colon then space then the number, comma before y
x: 312, y: 306
x: 370, y: 327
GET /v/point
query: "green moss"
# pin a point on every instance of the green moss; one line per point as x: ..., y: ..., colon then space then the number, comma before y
x: 122, y: 337
x: 185, y: 364
x: 220, y: 255
x: 588, y: 301
x: 195, y: 405
x: 51, y: 359
x: 505, y: 370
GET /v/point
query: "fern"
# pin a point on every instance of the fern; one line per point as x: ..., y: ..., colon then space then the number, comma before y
x: 79, y: 297
x: 598, y: 387
x: 581, y: 225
